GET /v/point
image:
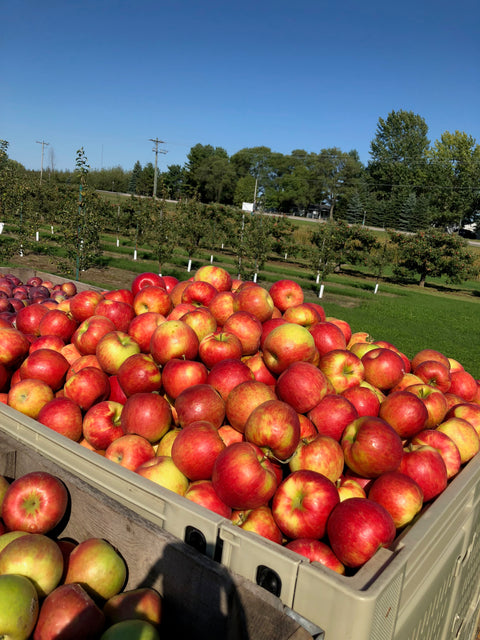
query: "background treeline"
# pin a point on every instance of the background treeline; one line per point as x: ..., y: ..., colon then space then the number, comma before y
x: 409, y: 184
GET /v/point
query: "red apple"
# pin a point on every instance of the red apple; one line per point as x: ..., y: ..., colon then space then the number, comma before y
x: 268, y: 326
x: 429, y: 354
x: 216, y: 276
x: 221, y: 306
x: 226, y: 374
x: 139, y: 373
x: 332, y: 414
x: 145, y: 280
x: 434, y: 400
x: 217, y: 347
x: 120, y: 313
x: 47, y: 342
x: 286, y: 293
x: 203, y: 493
x: 102, y: 424
x: 302, y: 385
x: 120, y: 295
x: 57, y: 323
x: 247, y: 328
x: 444, y: 445
x: 82, y: 363
x: 364, y: 398
x: 152, y: 299
x: 274, y: 427
x: 316, y: 551
x: 256, y: 300
x: 200, y: 402
x: 84, y: 303
x: 141, y: 328
x: 47, y: 365
x: 177, y: 292
x: 434, y: 373
x: 180, y: 310
x: 343, y: 325
x: 469, y: 411
x: 146, y: 414
x: 401, y: 496
x: 383, y: 368
x: 349, y: 488
x: 199, y: 293
x: 201, y: 320
x: 463, y: 384
x: 173, y: 339
x: 63, y: 416
x: 179, y: 374
x: 260, y: 521
x: 319, y: 309
x: 27, y: 319
x: 89, y: 332
x: 141, y: 603
x: 87, y: 387
x: 243, y: 399
x: 319, y: 453
x: 130, y: 451
x: 302, y: 314
x: 464, y: 436
x: 14, y: 346
x: 286, y: 344
x: 342, y: 368
x: 425, y: 465
x: 328, y: 336
x: 196, y: 448
x: 405, y: 412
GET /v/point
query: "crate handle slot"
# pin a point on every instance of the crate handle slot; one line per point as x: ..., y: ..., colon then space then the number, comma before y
x: 269, y: 580
x: 195, y: 538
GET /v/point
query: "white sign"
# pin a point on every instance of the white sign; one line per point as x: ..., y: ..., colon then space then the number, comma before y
x: 247, y: 206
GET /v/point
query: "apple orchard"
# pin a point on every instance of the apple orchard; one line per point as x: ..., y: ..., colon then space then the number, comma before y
x: 246, y: 400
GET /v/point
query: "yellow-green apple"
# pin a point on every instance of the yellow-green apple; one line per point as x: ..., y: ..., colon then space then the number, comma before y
x: 343, y: 325
x: 274, y: 427
x: 18, y: 607
x: 139, y: 373
x: 316, y: 551
x: 57, y: 323
x: 342, y: 368
x: 146, y: 279
x: 200, y: 402
x: 260, y: 521
x: 102, y: 424
x: 202, y: 492
x: 371, y: 446
x: 217, y: 276
x: 152, y: 299
x: 302, y: 385
x: 332, y: 414
x: 89, y: 332
x: 349, y: 488
x: 302, y: 504
x: 303, y: 314
x: 426, y: 466
x: 84, y: 303
x: 434, y: 373
x: 196, y: 448
x: 164, y: 445
x: 455, y: 365
x: 163, y: 471
x: 364, y: 398
x: 400, y: 494
x: 199, y: 293
x: 288, y: 343
x: 146, y: 414
x: 122, y: 295
x: 405, y: 412
x: 47, y: 365
x: 218, y: 347
x: 444, y: 445
x: 201, y: 320
x: 141, y: 629
x: 178, y: 374
x: 463, y: 434
x: 34, y: 502
x: 243, y: 477
x: 98, y: 567
x: 286, y: 293
x: 469, y: 411
x: 463, y: 384
x: 383, y: 368
x: 69, y: 612
x: 142, y: 327
x: 47, y: 342
x: 434, y: 400
x: 29, y: 396
x: 319, y: 453
x: 361, y: 348
x: 221, y: 306
x: 254, y: 299
x: 429, y: 354
x: 27, y: 318
x: 141, y: 603
x: 63, y: 416
x: 87, y: 387
x: 37, y: 557
x: 328, y: 336
x: 357, y: 529
x: 226, y: 374
x: 113, y: 349
x: 14, y: 346
x: 173, y: 339
x: 247, y: 328
x: 243, y: 399
x: 130, y: 451
x: 8, y: 536
x: 259, y: 369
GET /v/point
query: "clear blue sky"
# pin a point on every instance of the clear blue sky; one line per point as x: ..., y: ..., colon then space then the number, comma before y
x: 108, y: 76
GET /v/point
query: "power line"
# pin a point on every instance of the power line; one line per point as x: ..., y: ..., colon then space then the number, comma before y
x: 156, y: 141
x: 44, y: 144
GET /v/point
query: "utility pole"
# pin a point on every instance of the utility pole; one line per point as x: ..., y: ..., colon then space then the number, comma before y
x: 156, y: 141
x: 44, y: 144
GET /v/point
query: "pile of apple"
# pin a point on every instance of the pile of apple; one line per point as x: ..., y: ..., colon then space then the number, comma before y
x: 52, y: 588
x: 250, y: 402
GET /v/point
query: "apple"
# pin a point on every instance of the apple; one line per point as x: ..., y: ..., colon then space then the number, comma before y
x: 201, y: 320
x: 247, y: 328
x: 274, y: 427
x: 178, y: 374
x: 152, y: 299
x: 349, y: 488
x: 35, y: 556
x: 434, y: 400
x: 199, y: 293
x: 243, y: 399
x: 464, y: 436
x: 14, y: 346
x: 260, y: 521
x: 196, y: 448
x: 141, y: 603
x: 361, y: 348
x: 444, y: 445
x: 434, y: 373
x: 113, y: 349
x: 18, y: 607
x: 286, y: 344
x: 180, y: 310
x: 87, y: 387
x: 400, y: 494
x: 145, y: 280
x: 142, y: 327
x: 371, y: 446
x: 57, y: 323
x: 164, y: 472
x: 138, y: 629
x: 316, y: 551
x: 164, y: 446
x: 130, y: 451
x: 383, y: 368
x: 226, y: 374
x: 230, y: 435
x: 405, y: 412
x: 302, y: 504
x: 69, y: 288
x: 139, y: 373
x: 268, y: 326
x: 357, y: 528
x: 216, y: 276
x: 120, y: 295
x: 27, y: 319
x: 203, y: 493
x: 302, y: 314
x: 286, y: 293
x: 307, y: 428
x: 177, y: 291
x: 243, y: 477
x: 146, y: 414
x: 469, y: 411
x: 254, y: 299
x: 429, y: 354
x: 302, y: 385
x: 259, y: 369
x: 173, y: 339
x: 408, y: 380
x: 102, y: 424
x: 69, y: 612
x: 47, y: 342
x: 47, y: 365
x: 63, y: 416
x: 221, y: 306
x: 98, y: 567
x: 218, y: 347
x: 364, y: 398
x: 200, y: 402
x: 29, y: 396
x: 463, y: 384
x: 70, y: 352
x: 332, y: 414
x: 328, y: 336
x: 318, y: 308
x: 426, y: 466
x: 89, y: 332
x: 343, y: 325
x: 342, y: 368
x: 319, y: 453
x: 84, y: 303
